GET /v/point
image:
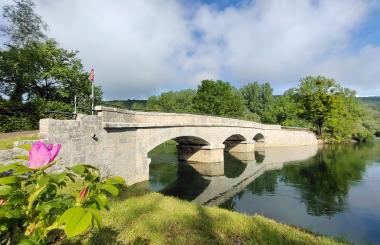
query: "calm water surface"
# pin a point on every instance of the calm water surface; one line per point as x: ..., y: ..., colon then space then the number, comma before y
x: 333, y: 191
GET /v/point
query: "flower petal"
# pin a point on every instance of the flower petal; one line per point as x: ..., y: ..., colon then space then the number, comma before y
x: 54, y: 151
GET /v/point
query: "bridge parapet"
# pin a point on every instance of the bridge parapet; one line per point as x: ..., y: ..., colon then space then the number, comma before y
x: 117, y: 118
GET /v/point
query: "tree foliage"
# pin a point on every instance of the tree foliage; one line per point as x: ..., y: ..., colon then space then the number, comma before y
x: 180, y: 102
x: 35, y: 71
x: 259, y: 100
x: 25, y: 26
x: 218, y: 98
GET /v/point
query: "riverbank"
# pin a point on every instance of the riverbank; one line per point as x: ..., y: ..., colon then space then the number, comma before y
x: 138, y: 216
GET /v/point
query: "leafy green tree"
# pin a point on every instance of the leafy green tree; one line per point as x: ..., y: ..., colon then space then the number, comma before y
x: 44, y: 71
x: 24, y: 26
x: 138, y: 106
x: 259, y: 100
x: 219, y: 98
x: 286, y: 110
x: 36, y: 75
x: 180, y: 102
x: 324, y: 103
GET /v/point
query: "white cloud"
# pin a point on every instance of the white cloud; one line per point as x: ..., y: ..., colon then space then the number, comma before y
x: 142, y: 47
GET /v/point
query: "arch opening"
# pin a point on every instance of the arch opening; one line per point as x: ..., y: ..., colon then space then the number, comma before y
x: 231, y: 142
x: 259, y: 140
x: 170, y: 175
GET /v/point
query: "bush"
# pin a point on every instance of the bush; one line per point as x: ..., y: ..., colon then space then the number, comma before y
x: 364, y: 136
x: 34, y: 209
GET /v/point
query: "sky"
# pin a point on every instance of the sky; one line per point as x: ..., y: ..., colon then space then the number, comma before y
x: 145, y: 47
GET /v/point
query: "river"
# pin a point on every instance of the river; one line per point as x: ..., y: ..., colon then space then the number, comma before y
x: 332, y: 190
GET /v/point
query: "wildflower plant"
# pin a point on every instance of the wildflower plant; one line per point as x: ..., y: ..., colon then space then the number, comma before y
x: 37, y: 208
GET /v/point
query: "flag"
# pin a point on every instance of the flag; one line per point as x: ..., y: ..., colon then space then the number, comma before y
x: 91, y: 77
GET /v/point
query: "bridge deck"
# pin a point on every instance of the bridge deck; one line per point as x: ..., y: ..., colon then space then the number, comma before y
x: 165, y: 125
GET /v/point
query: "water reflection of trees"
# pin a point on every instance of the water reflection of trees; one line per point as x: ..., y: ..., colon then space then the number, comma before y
x: 163, y: 169
x: 325, y: 180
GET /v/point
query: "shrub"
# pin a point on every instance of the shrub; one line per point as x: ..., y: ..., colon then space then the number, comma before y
x: 34, y: 209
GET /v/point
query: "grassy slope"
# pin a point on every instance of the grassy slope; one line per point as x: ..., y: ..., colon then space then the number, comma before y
x: 8, y: 142
x: 142, y: 217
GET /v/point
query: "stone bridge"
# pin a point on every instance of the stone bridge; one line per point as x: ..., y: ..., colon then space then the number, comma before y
x: 118, y: 141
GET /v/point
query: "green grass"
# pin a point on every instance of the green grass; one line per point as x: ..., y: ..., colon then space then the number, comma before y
x: 27, y: 147
x: 6, y: 144
x: 26, y: 158
x: 142, y: 217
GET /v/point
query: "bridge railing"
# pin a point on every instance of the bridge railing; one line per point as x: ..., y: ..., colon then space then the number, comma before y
x: 296, y: 128
x: 116, y: 115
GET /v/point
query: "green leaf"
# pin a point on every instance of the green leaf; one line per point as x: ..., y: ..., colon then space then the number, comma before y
x: 89, y: 166
x: 97, y: 217
x: 26, y: 242
x: 115, y: 180
x: 102, y: 200
x: 78, y: 169
x: 7, y: 167
x: 5, y: 190
x: 60, y: 177
x: 43, y: 180
x: 34, y: 196
x: 8, y: 180
x: 110, y: 189
x: 9, y: 214
x: 77, y: 220
x: 21, y: 169
x: 22, y: 157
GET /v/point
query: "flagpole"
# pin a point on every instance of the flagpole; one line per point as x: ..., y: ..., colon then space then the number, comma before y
x: 92, y: 96
x: 91, y: 77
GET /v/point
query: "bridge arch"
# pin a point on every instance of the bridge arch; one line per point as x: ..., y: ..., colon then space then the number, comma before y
x: 232, y: 141
x: 259, y: 139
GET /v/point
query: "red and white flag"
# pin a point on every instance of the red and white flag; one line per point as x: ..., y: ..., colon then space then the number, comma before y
x: 91, y: 77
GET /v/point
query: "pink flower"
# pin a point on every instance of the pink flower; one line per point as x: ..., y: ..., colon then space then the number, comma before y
x: 3, y: 201
x: 42, y: 154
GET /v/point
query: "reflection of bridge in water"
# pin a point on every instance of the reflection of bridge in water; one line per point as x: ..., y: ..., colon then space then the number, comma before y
x: 208, y: 184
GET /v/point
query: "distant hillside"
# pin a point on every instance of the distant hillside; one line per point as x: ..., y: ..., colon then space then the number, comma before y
x: 373, y: 102
x: 125, y: 104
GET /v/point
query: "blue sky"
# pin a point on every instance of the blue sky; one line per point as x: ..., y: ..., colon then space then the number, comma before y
x: 141, y: 48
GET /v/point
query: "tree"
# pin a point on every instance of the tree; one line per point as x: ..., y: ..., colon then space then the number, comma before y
x: 259, y: 100
x: 25, y: 26
x: 319, y: 98
x: 36, y: 75
x: 43, y: 71
x: 180, y: 102
x: 286, y: 110
x: 219, y: 98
